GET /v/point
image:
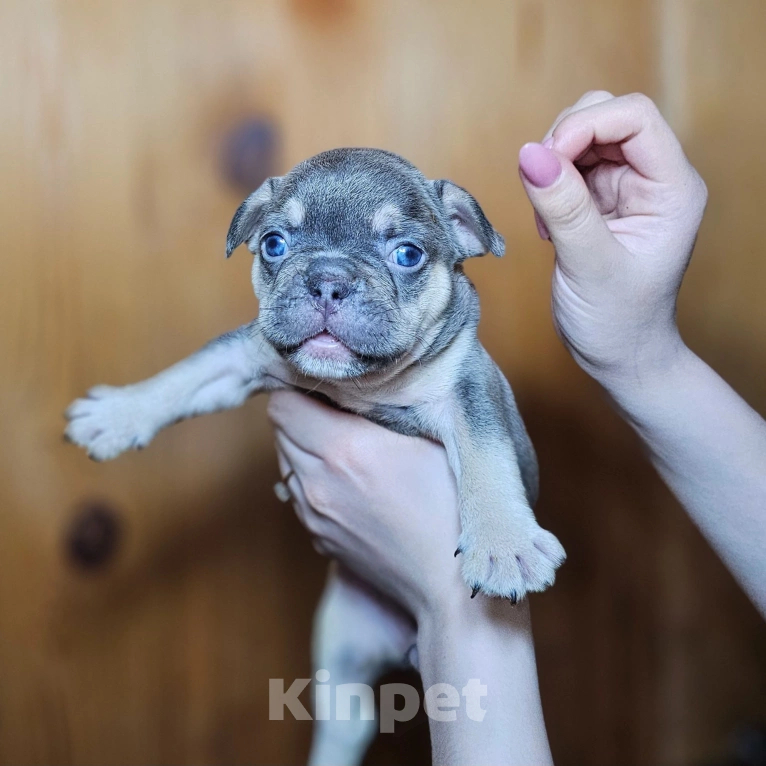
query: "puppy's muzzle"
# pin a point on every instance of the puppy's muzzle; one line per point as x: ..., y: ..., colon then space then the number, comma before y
x: 329, y: 288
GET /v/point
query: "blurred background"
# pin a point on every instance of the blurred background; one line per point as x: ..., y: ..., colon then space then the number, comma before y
x: 145, y: 603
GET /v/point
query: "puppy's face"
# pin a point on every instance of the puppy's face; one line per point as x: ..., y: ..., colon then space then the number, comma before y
x: 355, y: 258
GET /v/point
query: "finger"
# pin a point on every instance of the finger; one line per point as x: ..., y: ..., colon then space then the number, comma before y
x: 542, y: 229
x: 561, y: 115
x: 321, y: 546
x: 303, y: 509
x: 563, y: 202
x: 588, y: 99
x: 598, y: 153
x: 289, y: 478
x: 285, y: 469
x: 305, y: 465
x: 314, y: 426
x: 647, y: 142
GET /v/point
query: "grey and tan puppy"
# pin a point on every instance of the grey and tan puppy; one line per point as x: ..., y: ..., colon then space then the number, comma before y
x: 358, y: 268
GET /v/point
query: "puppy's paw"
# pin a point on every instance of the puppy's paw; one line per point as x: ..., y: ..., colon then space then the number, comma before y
x: 108, y: 421
x: 510, y: 560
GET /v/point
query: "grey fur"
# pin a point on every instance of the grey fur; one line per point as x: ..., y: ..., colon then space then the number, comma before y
x: 341, y: 214
x: 412, y: 361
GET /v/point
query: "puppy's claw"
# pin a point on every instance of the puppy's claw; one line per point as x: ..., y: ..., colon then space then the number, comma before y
x: 509, y: 561
x: 458, y: 552
x: 476, y: 589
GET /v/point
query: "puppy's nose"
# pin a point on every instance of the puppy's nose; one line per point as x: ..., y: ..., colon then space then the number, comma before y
x: 330, y: 290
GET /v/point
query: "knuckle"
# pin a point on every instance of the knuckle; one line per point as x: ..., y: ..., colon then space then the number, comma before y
x: 273, y: 409
x: 596, y: 96
x: 319, y: 545
x: 347, y: 459
x: 313, y: 523
x: 702, y: 187
x: 701, y: 194
x: 560, y: 117
x: 282, y: 405
x: 318, y: 497
x: 643, y: 104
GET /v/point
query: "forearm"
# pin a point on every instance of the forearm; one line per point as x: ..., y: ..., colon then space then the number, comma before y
x: 221, y: 375
x: 488, y: 640
x: 710, y: 448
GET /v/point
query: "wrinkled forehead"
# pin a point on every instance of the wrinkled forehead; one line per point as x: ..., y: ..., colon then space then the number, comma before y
x: 378, y: 201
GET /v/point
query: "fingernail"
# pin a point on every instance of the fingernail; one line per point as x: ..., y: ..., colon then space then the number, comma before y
x: 542, y: 229
x: 548, y: 143
x: 540, y: 166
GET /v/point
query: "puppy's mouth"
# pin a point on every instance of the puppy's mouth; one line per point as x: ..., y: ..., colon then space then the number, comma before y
x: 325, y: 355
x: 324, y: 345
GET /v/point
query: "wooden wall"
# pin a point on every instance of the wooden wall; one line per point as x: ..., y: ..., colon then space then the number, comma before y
x: 113, y: 212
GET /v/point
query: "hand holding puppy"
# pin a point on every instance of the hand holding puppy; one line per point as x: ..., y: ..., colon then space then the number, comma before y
x: 383, y: 504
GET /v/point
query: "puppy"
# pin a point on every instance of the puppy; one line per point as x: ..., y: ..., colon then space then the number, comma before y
x: 358, y: 268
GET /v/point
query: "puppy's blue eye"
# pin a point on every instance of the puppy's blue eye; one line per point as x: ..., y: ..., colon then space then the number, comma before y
x: 273, y: 246
x: 407, y: 256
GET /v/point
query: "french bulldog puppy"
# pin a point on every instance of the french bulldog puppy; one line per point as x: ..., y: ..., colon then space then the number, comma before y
x: 358, y: 268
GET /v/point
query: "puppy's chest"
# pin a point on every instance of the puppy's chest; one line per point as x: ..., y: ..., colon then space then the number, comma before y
x: 422, y: 406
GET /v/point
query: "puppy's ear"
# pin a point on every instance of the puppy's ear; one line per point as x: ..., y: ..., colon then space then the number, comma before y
x: 248, y: 213
x: 471, y: 232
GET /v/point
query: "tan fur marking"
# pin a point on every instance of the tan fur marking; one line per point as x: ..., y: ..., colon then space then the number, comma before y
x: 295, y: 211
x: 385, y: 217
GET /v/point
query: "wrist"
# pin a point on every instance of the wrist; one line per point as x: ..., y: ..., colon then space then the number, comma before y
x: 484, y: 646
x: 637, y: 395
x: 463, y: 617
x: 651, y: 359
x: 446, y: 599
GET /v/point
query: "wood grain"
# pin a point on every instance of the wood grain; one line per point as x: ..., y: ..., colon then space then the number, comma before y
x: 113, y: 212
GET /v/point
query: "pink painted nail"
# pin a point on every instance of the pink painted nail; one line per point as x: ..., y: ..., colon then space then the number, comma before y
x: 540, y: 166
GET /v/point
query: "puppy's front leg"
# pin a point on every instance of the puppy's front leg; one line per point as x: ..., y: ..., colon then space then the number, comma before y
x: 504, y: 550
x: 221, y: 375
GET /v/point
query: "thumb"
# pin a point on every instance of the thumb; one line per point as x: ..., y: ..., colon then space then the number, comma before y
x: 563, y: 204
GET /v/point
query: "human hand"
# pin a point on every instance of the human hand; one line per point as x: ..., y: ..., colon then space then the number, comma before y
x: 383, y: 504
x: 618, y: 198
